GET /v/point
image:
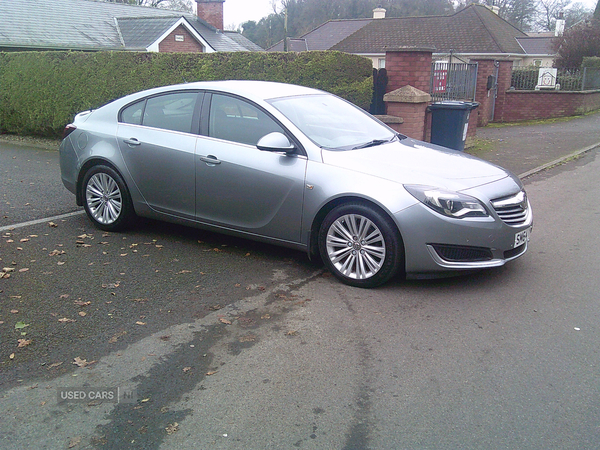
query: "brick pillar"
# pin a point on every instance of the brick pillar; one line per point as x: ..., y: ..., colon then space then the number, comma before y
x: 504, y: 82
x: 410, y: 104
x: 211, y: 11
x: 408, y: 66
x: 483, y: 95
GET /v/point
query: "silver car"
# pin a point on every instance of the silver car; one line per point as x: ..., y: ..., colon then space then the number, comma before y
x: 296, y: 167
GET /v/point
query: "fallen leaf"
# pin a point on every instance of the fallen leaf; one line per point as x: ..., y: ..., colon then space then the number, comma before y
x: 21, y: 325
x: 81, y: 303
x: 66, y: 320
x: 14, y: 311
x: 52, y: 366
x: 140, y: 323
x: 225, y: 321
x: 82, y: 313
x: 74, y: 441
x: 52, y: 225
x: 12, y: 356
x: 187, y: 369
x: 211, y: 373
x: 24, y: 240
x: 64, y: 296
x: 82, y: 362
x: 172, y: 428
x: 56, y: 252
x: 114, y: 339
x: 145, y: 400
x: 248, y: 338
x: 25, y: 269
x: 24, y: 343
x: 291, y: 333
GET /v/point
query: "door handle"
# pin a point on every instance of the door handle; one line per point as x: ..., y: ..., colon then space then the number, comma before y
x: 132, y: 142
x: 210, y: 160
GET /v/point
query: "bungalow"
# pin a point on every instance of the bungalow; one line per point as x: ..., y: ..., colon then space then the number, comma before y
x: 90, y: 25
x: 475, y: 32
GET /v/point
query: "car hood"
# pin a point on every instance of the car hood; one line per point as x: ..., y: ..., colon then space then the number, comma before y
x: 414, y: 162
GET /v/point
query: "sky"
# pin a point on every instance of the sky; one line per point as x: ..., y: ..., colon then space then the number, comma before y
x: 240, y: 11
x: 237, y: 12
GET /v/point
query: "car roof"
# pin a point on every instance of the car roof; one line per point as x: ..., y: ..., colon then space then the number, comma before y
x: 254, y: 90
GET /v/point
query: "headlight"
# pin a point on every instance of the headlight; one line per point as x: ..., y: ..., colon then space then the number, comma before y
x: 448, y: 203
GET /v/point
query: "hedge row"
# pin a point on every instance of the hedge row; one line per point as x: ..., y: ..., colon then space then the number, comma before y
x: 40, y: 92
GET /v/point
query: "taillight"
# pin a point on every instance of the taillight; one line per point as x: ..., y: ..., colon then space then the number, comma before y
x: 68, y: 130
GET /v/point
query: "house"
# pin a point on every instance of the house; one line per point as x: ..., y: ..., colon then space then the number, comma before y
x: 90, y: 25
x: 475, y: 32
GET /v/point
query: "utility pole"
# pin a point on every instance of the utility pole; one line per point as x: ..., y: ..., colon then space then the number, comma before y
x: 285, y: 31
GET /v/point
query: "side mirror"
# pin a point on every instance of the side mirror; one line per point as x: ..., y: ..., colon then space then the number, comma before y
x: 275, y: 142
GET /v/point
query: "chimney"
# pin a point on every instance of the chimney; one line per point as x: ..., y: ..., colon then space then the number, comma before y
x: 211, y: 11
x: 560, y: 25
x: 379, y: 13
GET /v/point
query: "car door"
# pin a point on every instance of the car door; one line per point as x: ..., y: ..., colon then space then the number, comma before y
x: 239, y: 186
x: 157, y: 138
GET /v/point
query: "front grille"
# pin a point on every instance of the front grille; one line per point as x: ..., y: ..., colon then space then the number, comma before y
x: 512, y: 210
x: 456, y: 253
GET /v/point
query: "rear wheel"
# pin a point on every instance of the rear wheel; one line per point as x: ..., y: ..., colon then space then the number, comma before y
x: 106, y: 199
x: 360, y: 245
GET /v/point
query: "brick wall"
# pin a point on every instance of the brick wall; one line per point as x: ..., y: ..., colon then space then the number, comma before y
x: 189, y: 43
x: 534, y: 105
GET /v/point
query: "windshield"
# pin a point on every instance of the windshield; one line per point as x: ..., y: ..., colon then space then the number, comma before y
x: 333, y: 123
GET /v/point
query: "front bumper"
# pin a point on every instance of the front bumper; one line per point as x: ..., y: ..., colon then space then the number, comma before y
x: 434, y: 243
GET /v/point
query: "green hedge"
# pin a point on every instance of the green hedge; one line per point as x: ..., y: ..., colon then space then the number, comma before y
x: 591, y: 62
x: 40, y: 92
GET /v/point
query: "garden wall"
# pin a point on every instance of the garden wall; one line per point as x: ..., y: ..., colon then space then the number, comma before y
x: 516, y: 106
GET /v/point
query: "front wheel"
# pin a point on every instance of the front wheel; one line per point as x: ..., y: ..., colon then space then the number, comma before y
x: 106, y: 199
x: 360, y: 245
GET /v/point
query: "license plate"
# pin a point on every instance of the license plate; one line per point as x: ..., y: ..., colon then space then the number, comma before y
x: 522, y: 236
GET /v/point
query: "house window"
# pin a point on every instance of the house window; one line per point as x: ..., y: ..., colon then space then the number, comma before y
x: 537, y: 62
x: 381, y: 63
x: 179, y: 38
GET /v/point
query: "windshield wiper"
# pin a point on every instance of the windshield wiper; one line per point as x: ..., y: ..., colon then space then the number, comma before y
x: 373, y: 143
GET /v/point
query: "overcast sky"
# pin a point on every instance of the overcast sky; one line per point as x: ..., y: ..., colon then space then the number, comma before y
x: 239, y: 11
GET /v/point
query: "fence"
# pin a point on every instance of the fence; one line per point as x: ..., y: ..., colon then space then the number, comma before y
x: 528, y: 79
x: 456, y: 81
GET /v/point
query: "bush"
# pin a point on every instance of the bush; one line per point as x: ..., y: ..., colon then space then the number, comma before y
x: 40, y: 92
x: 592, y: 62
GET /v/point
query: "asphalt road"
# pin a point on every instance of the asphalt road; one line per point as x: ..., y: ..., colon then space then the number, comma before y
x: 230, y: 344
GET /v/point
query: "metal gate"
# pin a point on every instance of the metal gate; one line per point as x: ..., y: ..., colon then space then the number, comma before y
x: 453, y: 81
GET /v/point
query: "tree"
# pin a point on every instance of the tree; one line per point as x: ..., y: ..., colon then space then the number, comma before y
x: 577, y: 42
x: 550, y: 10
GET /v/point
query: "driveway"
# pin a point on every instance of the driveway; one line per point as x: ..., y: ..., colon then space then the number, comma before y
x: 225, y: 343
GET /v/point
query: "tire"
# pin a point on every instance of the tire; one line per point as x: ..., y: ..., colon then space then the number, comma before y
x: 106, y: 199
x: 360, y: 245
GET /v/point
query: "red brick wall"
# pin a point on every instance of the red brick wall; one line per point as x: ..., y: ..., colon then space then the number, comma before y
x: 485, y: 68
x: 211, y: 12
x: 408, y: 67
x: 413, y: 116
x: 533, y: 105
x: 189, y: 44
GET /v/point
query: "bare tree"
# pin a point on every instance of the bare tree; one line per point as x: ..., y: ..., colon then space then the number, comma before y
x: 549, y: 11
